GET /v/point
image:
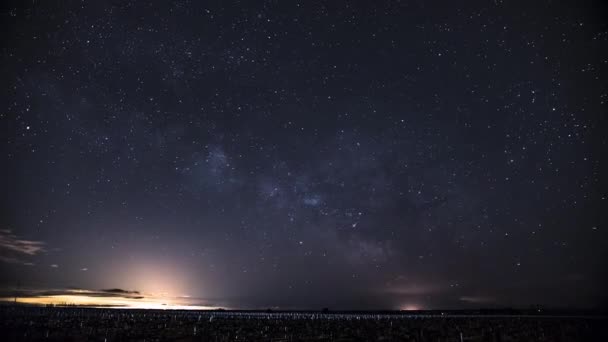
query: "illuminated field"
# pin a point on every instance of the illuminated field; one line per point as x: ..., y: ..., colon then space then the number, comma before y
x: 38, y: 323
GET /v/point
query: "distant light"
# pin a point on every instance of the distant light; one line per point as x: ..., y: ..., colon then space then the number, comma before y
x: 410, y: 307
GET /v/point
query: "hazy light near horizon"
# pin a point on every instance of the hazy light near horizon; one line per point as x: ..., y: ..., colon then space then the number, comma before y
x: 411, y: 307
x: 157, y: 277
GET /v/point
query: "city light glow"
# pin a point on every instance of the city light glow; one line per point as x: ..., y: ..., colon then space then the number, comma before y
x: 87, y: 298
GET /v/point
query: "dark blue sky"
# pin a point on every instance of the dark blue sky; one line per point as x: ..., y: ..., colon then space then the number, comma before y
x: 304, y: 155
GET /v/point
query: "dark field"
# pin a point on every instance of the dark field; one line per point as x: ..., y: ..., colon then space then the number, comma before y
x: 79, y: 324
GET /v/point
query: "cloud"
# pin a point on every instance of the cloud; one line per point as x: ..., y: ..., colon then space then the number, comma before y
x: 119, y: 291
x: 105, y: 293
x: 13, y: 249
x: 12, y: 260
x: 10, y: 242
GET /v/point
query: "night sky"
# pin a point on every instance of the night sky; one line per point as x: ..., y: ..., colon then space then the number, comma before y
x: 350, y: 155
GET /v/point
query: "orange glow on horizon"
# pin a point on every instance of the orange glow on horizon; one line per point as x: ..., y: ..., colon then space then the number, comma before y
x: 108, y: 302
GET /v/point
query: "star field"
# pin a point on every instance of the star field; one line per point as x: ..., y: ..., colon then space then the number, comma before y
x: 305, y: 155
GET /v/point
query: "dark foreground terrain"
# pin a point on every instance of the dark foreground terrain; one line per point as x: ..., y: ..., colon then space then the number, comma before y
x: 80, y: 324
